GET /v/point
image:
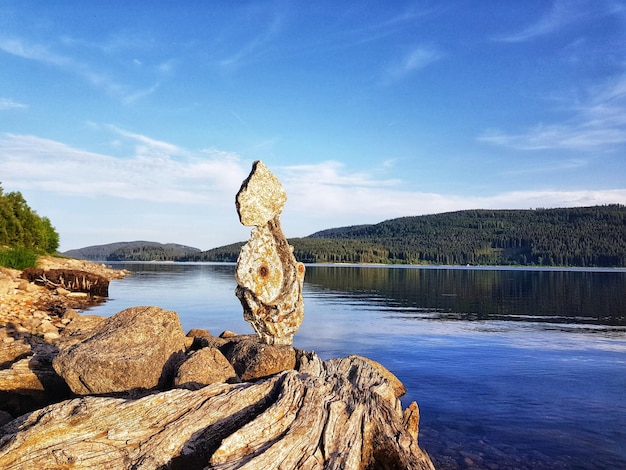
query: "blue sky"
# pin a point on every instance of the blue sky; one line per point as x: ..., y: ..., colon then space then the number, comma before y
x: 139, y: 121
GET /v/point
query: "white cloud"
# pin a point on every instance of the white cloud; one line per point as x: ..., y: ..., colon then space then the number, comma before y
x: 563, y: 13
x: 140, y: 94
x: 150, y: 174
x: 327, y: 195
x: 147, y: 145
x: 598, y: 123
x: 255, y: 46
x: 46, y: 55
x: 416, y: 59
x: 162, y: 192
x: 8, y: 103
x: 30, y: 51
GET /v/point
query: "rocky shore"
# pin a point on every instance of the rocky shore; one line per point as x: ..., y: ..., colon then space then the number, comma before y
x: 135, y: 391
x: 33, y: 319
x: 28, y: 309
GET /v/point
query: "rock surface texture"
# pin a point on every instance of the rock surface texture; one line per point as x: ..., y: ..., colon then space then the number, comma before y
x: 137, y: 348
x: 336, y: 414
x: 269, y: 279
x: 133, y: 392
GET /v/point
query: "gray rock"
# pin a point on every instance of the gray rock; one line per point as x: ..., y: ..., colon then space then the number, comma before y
x: 204, y: 367
x: 5, y: 418
x: 253, y: 359
x: 261, y: 197
x: 137, y: 348
x: 269, y: 279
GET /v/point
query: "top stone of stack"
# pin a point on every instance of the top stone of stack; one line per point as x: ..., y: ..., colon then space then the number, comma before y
x: 261, y: 197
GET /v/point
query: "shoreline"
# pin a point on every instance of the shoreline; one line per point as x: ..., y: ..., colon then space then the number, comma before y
x: 66, y: 400
x: 34, y: 313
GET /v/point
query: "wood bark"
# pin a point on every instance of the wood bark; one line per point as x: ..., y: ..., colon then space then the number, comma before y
x: 337, y: 414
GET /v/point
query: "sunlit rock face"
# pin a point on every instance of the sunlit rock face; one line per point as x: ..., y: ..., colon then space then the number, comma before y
x: 269, y: 279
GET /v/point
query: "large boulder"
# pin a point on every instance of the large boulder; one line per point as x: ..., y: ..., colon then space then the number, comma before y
x: 137, y: 348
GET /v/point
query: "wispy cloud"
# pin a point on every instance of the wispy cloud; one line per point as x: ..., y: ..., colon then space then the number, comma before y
x: 196, y: 189
x: 416, y: 59
x: 151, y: 173
x: 598, y: 123
x: 328, y: 195
x: 549, y: 167
x: 254, y: 46
x: 350, y: 27
x: 140, y: 94
x: 31, y: 51
x: 8, y: 103
x: 45, y: 54
x: 556, y: 136
x: 386, y: 26
x: 147, y: 146
x: 564, y: 13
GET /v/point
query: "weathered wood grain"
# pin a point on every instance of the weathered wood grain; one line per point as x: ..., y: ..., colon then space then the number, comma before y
x: 338, y: 414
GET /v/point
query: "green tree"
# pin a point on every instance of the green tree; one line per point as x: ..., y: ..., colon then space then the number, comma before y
x: 20, y: 226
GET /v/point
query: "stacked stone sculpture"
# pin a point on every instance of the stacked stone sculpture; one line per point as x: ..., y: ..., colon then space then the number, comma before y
x: 269, y: 279
x: 131, y: 391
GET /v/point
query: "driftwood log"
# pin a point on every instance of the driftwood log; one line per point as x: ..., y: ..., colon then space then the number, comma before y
x: 335, y: 414
x: 70, y: 279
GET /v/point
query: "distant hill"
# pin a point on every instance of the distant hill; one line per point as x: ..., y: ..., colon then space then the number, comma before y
x: 134, y: 251
x: 580, y: 236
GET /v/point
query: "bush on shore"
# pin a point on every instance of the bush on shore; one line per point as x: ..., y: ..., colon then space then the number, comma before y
x: 18, y: 257
x: 24, y: 235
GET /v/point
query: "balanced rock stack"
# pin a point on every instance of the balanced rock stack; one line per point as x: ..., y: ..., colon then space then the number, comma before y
x: 133, y: 391
x: 268, y: 276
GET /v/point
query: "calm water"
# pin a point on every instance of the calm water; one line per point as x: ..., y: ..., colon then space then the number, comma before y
x: 511, y: 368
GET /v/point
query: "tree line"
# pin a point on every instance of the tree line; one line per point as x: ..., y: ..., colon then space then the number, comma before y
x: 134, y: 251
x: 23, y: 233
x: 580, y: 236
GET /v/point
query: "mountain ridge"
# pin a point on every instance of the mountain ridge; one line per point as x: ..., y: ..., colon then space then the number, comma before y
x: 139, y: 250
x: 579, y: 236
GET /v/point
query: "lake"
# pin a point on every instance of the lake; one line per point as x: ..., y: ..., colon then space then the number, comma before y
x: 511, y: 368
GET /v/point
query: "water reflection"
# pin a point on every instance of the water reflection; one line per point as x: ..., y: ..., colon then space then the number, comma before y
x: 542, y: 392
x: 203, y: 294
x: 555, y: 296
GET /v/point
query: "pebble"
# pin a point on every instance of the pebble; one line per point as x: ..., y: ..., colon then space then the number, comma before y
x: 78, y: 295
x: 51, y: 337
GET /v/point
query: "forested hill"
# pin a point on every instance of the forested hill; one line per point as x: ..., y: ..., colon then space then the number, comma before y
x: 581, y: 236
x: 134, y: 251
